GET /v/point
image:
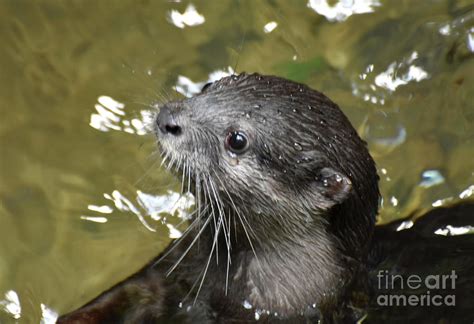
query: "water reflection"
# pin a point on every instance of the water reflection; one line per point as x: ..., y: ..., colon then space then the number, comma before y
x: 470, y: 40
x: 431, y: 178
x: 269, y: 27
x: 394, y: 76
x: 384, y: 130
x: 467, y: 193
x: 48, y: 316
x: 11, y: 304
x: 342, y: 9
x: 110, y: 115
x: 190, y: 17
x: 146, y: 205
x: 455, y: 230
x: 188, y: 88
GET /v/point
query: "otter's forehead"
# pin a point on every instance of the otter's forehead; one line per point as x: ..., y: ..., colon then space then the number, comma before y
x: 273, y: 106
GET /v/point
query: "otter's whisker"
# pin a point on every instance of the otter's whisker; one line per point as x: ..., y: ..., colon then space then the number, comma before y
x: 220, y: 209
x: 179, y: 162
x: 176, y: 242
x: 188, y: 248
x: 147, y: 172
x: 242, y: 219
x: 183, y: 176
x: 213, y: 212
x: 214, y: 247
x: 189, y: 179
x: 164, y: 160
x: 171, y: 163
x: 225, y: 230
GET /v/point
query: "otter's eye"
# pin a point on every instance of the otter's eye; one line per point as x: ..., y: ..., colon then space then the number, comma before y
x: 236, y: 142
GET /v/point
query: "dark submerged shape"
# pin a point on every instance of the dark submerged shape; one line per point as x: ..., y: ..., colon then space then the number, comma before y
x: 287, y: 195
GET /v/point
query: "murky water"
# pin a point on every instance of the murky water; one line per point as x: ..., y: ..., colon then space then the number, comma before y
x: 83, y: 200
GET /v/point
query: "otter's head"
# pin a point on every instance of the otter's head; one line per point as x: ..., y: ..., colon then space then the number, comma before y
x: 276, y: 153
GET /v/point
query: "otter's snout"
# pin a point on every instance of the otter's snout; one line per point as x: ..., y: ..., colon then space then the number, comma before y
x: 167, y: 123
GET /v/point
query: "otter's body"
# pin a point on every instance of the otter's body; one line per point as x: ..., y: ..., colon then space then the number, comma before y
x: 287, y: 198
x: 287, y: 195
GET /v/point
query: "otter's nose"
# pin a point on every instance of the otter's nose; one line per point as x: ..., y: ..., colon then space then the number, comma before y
x: 167, y: 122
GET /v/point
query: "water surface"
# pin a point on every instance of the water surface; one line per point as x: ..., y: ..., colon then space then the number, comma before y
x: 83, y: 202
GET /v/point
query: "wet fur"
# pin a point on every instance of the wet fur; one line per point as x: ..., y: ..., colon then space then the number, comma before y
x: 283, y: 228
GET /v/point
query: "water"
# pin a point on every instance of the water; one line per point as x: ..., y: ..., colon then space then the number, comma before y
x: 83, y: 200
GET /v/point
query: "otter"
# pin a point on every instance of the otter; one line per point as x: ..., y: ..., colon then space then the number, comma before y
x: 287, y: 195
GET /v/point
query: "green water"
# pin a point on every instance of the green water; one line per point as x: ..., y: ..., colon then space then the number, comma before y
x: 73, y: 183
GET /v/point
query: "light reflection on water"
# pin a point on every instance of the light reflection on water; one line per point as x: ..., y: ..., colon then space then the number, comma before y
x: 343, y: 9
x: 188, y: 88
x: 110, y: 115
x: 76, y: 143
x: 190, y: 17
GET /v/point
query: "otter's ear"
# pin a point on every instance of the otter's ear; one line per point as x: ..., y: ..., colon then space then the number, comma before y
x: 333, y: 184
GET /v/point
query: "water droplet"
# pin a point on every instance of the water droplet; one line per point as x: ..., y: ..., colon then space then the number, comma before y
x: 279, y: 112
x: 259, y: 77
x: 257, y: 106
x: 280, y: 157
x: 233, y: 161
x: 248, y: 115
x: 294, y: 110
x: 264, y: 120
x: 297, y: 146
x: 284, y: 171
x: 247, y: 304
x: 310, y: 108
